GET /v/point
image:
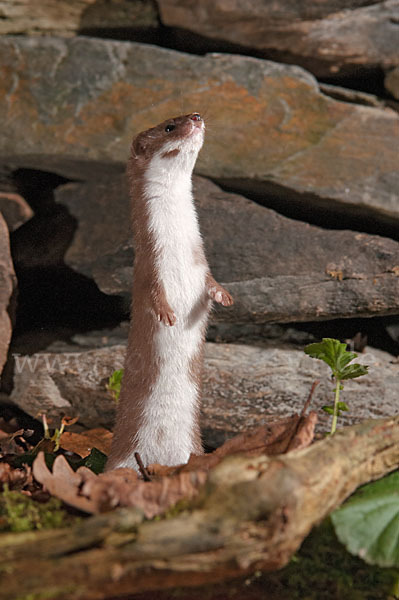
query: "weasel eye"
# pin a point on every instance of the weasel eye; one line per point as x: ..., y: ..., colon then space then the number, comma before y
x: 170, y: 127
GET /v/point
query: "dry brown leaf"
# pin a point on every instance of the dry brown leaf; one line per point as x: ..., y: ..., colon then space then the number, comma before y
x: 68, y: 421
x: 122, y: 487
x: 63, y: 482
x: 82, y: 443
x: 304, y: 433
x: 8, y: 445
x: 109, y: 489
x: 276, y: 437
x: 14, y: 478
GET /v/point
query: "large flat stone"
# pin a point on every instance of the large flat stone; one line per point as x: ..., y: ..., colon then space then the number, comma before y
x: 276, y: 268
x: 271, y: 130
x: 68, y: 383
x: 326, y: 37
x: 243, y: 386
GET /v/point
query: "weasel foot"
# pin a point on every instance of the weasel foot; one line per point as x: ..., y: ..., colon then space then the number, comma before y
x: 167, y: 316
x: 220, y: 295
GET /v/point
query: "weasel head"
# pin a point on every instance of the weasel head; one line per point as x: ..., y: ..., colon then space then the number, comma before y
x: 175, y: 141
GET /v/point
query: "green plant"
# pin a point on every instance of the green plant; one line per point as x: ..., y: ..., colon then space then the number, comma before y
x: 368, y: 523
x: 19, y: 512
x: 323, y: 569
x: 334, y: 354
x: 114, y: 384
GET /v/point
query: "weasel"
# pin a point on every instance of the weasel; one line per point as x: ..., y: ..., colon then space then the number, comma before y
x: 173, y: 289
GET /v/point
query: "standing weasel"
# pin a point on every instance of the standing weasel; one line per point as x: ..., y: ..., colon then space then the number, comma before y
x: 158, y: 413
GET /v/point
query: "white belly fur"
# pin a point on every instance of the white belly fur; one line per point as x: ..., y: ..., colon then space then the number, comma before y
x: 166, y: 434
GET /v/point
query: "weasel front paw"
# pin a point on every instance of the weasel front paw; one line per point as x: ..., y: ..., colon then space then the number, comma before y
x: 220, y: 295
x: 167, y: 316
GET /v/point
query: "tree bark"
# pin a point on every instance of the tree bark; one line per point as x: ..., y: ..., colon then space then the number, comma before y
x: 252, y: 514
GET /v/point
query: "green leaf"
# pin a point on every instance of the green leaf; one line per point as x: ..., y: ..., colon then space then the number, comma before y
x: 353, y: 371
x: 328, y: 409
x: 95, y: 461
x: 342, y: 406
x: 327, y: 350
x: 334, y: 354
x: 114, y: 383
x: 28, y: 457
x: 368, y: 523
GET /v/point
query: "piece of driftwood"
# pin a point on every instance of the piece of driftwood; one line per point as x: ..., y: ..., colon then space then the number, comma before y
x: 252, y: 513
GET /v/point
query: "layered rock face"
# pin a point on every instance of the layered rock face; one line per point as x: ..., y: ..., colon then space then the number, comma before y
x: 326, y: 37
x: 278, y: 269
x: 270, y: 127
x: 296, y: 189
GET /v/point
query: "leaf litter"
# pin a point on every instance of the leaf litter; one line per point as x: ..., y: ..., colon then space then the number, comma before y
x: 93, y: 493
x: 67, y: 465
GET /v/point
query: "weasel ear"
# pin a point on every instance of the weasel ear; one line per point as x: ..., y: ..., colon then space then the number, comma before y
x: 139, y: 147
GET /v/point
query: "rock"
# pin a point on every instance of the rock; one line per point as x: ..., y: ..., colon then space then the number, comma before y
x: 102, y: 245
x: 243, y: 386
x: 348, y: 95
x: 68, y: 383
x: 15, y: 210
x: 7, y: 293
x: 277, y: 269
x: 68, y: 17
x: 391, y: 82
x: 271, y: 131
x: 49, y: 234
x: 326, y: 37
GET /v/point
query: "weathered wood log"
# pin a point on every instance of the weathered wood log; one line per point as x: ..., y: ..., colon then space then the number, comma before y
x: 253, y: 513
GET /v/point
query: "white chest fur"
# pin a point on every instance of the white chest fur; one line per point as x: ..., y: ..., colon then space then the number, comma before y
x: 166, y: 433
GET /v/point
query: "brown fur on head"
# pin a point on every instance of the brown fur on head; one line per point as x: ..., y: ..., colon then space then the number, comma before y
x: 168, y: 133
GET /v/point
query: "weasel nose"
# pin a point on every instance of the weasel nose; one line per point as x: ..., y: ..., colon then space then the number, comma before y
x: 196, y: 117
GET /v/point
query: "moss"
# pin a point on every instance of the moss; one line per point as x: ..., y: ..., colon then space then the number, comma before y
x: 323, y: 566
x: 177, y: 509
x: 49, y: 594
x: 19, y: 512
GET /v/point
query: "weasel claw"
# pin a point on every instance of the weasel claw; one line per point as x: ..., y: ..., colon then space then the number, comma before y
x: 227, y: 299
x: 167, y: 317
x: 221, y: 296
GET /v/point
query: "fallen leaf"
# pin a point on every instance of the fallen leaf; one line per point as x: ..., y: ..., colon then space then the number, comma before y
x: 304, y: 433
x: 82, y: 443
x: 68, y: 421
x: 276, y: 437
x: 63, y: 482
x: 338, y: 275
x: 14, y: 478
x: 119, y: 488
x: 99, y: 493
x: 8, y: 444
